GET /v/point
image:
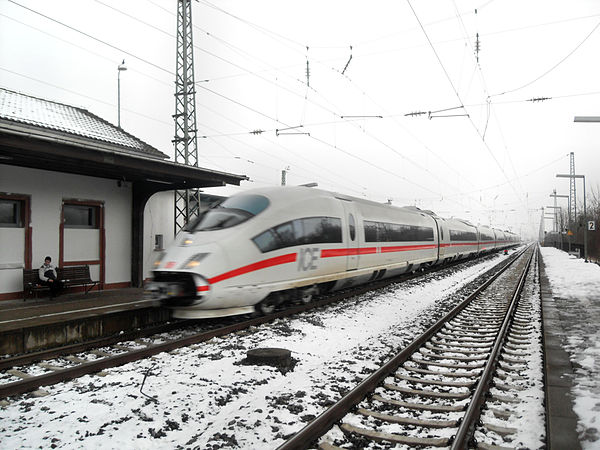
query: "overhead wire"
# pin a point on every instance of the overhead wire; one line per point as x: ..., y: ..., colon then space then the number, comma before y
x: 563, y: 59
x: 312, y: 101
x: 458, y: 96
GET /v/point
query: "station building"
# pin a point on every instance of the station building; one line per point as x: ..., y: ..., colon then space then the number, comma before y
x: 85, y: 192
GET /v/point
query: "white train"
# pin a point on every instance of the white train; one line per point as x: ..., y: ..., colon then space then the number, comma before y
x: 263, y: 247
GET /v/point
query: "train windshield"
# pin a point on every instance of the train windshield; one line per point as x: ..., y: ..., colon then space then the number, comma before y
x: 229, y: 213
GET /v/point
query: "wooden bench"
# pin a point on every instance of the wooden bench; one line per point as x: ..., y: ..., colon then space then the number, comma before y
x: 70, y: 276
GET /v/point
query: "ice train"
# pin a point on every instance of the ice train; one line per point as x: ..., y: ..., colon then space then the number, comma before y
x: 266, y: 246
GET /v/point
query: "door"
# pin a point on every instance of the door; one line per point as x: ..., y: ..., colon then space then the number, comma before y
x: 15, y: 242
x: 351, y: 235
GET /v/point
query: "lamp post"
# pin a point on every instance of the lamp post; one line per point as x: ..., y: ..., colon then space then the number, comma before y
x: 120, y: 69
x: 585, y: 246
x: 555, y: 195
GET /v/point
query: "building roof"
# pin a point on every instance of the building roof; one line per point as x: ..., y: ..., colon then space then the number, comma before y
x: 69, y: 122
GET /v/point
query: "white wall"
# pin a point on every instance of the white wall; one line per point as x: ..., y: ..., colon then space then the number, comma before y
x: 159, y: 218
x: 47, y: 191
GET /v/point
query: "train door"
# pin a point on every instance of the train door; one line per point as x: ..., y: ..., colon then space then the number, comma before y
x: 351, y: 219
x: 439, y: 224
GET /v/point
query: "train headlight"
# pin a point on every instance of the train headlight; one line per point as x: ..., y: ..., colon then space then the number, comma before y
x: 194, y: 260
x: 158, y: 260
x: 186, y: 240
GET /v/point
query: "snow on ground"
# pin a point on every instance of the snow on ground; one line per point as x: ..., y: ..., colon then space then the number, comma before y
x: 576, y: 290
x: 202, y: 396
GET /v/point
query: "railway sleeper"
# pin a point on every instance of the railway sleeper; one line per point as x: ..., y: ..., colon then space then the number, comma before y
x: 508, y: 387
x: 486, y: 446
x: 502, y: 431
x: 473, y: 340
x: 455, y: 349
x: 512, y: 360
x: 473, y: 334
x: 447, y: 365
x: 49, y: 366
x: 17, y: 373
x: 455, y: 358
x: 407, y: 420
x: 504, y: 374
x: 504, y: 414
x: 489, y: 329
x: 511, y: 352
x: 443, y: 373
x: 420, y: 406
x: 428, y: 394
x: 515, y: 347
x: 504, y: 398
x: 469, y: 344
x: 464, y: 384
x: 477, y: 319
x: 395, y: 438
x: 328, y: 446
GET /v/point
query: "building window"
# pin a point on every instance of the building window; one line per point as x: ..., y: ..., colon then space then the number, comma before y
x: 11, y: 213
x: 81, y: 216
x: 158, y: 242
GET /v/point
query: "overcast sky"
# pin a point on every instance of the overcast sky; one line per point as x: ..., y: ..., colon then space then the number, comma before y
x: 493, y: 162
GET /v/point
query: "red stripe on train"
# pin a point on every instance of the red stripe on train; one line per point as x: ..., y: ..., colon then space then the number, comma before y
x: 407, y: 248
x: 331, y: 252
x: 283, y: 259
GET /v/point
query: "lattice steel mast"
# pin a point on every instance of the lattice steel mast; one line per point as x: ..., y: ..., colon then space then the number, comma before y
x: 572, y: 192
x: 187, y: 203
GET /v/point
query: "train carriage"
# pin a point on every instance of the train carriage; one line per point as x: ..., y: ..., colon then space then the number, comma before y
x: 267, y: 246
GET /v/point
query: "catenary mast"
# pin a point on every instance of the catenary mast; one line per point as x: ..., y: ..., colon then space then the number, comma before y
x: 187, y: 202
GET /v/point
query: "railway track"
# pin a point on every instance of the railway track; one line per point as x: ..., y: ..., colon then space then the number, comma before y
x: 29, y: 372
x: 431, y: 394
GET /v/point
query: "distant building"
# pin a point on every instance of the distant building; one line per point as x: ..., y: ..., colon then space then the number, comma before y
x: 75, y: 187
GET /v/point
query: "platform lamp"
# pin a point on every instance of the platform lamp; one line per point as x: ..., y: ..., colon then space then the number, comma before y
x: 585, y: 246
x: 122, y: 67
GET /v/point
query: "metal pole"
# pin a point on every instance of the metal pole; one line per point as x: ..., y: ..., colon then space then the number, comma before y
x: 585, y: 224
x: 119, y: 98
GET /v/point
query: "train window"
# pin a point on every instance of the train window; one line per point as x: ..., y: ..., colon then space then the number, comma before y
x: 285, y: 233
x: 266, y: 241
x: 393, y: 232
x: 352, y: 226
x: 460, y: 235
x: 253, y: 204
x: 231, y: 212
x: 309, y: 230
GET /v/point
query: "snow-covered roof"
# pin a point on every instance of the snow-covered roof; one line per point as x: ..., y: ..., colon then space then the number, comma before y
x: 78, y: 122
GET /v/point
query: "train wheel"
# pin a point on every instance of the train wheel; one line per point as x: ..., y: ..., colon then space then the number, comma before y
x: 267, y: 306
x: 306, y: 298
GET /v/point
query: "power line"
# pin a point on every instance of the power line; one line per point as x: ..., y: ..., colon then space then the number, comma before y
x: 554, y: 66
x: 156, y: 66
x: 458, y: 95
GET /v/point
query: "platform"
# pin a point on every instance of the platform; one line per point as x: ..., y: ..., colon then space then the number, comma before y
x: 570, y: 291
x: 38, y: 323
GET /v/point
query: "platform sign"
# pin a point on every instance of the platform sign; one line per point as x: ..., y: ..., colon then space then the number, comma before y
x: 591, y: 225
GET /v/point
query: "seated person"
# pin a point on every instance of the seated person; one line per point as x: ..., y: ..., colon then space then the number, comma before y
x: 48, y: 277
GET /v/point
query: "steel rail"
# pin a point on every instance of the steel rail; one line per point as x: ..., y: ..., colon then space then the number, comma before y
x: 336, y: 412
x: 54, y: 377
x: 467, y: 427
